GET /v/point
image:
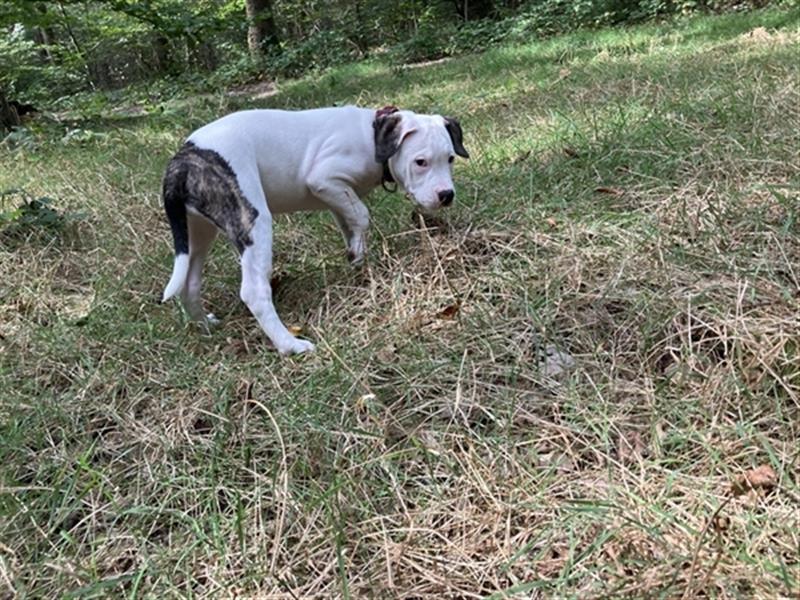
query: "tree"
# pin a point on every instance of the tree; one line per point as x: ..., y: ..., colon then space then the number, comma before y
x: 261, y: 29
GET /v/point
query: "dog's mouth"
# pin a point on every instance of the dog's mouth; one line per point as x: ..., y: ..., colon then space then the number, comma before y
x: 427, y: 207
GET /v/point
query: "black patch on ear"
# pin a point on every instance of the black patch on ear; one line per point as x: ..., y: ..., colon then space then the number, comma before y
x: 454, y: 129
x: 387, y: 136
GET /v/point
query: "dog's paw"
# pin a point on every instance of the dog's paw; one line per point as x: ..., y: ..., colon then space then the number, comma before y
x: 356, y: 260
x: 356, y: 250
x: 207, y: 323
x: 296, y: 346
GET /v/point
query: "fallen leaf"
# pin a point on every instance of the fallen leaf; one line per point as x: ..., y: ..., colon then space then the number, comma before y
x: 572, y: 153
x: 449, y: 312
x: 551, y: 222
x: 612, y: 191
x: 295, y: 330
x: 762, y: 477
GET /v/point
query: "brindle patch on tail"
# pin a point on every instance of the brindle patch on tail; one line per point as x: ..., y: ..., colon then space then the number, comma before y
x: 205, y: 182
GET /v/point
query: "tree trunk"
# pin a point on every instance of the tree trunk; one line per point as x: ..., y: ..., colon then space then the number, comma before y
x: 43, y: 34
x: 261, y: 30
x: 8, y: 114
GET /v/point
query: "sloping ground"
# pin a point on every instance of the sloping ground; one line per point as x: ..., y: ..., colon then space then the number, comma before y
x: 548, y: 391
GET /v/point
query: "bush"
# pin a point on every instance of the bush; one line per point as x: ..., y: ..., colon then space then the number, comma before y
x: 321, y: 50
x: 24, y: 77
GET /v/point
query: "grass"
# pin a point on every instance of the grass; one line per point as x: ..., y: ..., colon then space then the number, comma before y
x: 631, y: 202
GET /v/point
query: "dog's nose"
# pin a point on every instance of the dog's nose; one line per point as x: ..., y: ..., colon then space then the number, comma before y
x: 446, y: 197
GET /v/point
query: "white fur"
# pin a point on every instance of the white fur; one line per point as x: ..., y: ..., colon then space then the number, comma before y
x: 179, y: 270
x: 287, y: 161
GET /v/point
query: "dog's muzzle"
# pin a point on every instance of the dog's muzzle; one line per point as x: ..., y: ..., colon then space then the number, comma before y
x: 446, y: 197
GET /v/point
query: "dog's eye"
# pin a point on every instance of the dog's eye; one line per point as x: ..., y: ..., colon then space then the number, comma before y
x: 451, y: 159
x: 421, y: 162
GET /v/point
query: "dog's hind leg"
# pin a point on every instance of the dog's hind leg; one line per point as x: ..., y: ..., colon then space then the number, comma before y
x: 256, y: 291
x: 201, y: 235
x: 251, y: 233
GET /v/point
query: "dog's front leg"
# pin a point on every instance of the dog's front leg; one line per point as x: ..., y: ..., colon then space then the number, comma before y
x: 350, y: 213
x: 356, y: 248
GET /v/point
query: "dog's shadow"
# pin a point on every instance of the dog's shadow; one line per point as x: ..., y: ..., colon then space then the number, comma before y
x: 304, y: 289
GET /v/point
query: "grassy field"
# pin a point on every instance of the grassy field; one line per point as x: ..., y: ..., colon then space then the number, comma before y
x: 546, y: 392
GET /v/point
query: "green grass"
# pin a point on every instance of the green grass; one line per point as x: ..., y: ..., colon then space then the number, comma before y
x: 632, y: 200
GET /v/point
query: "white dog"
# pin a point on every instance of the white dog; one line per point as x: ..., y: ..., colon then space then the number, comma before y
x: 235, y: 173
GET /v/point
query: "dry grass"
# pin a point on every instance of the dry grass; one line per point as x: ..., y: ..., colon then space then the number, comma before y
x: 547, y: 392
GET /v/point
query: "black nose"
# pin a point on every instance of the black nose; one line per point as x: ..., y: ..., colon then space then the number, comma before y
x: 446, y: 197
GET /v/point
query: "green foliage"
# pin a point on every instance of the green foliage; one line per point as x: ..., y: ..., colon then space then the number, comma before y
x: 324, y: 49
x: 31, y: 217
x: 53, y: 50
x: 24, y: 76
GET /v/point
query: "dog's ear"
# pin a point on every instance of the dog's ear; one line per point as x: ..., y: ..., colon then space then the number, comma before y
x: 387, y: 136
x: 454, y: 129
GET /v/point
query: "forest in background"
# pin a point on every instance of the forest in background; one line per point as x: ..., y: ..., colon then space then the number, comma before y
x: 52, y: 52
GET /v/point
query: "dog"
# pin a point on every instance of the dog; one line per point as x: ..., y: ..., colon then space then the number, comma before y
x: 233, y: 174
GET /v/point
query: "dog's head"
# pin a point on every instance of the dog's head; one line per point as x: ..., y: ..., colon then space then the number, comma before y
x: 420, y: 151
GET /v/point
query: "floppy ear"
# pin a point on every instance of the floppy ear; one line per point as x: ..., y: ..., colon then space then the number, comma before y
x: 454, y: 129
x: 387, y: 136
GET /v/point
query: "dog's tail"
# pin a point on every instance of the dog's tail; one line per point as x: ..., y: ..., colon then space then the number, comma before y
x: 174, y: 192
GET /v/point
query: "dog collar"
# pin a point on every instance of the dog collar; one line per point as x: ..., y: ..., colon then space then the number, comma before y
x: 387, y: 178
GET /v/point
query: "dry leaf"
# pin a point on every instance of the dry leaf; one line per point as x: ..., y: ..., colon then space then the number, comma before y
x: 449, y: 312
x: 572, y: 153
x: 762, y: 477
x: 609, y: 190
x: 295, y: 330
x: 551, y: 222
